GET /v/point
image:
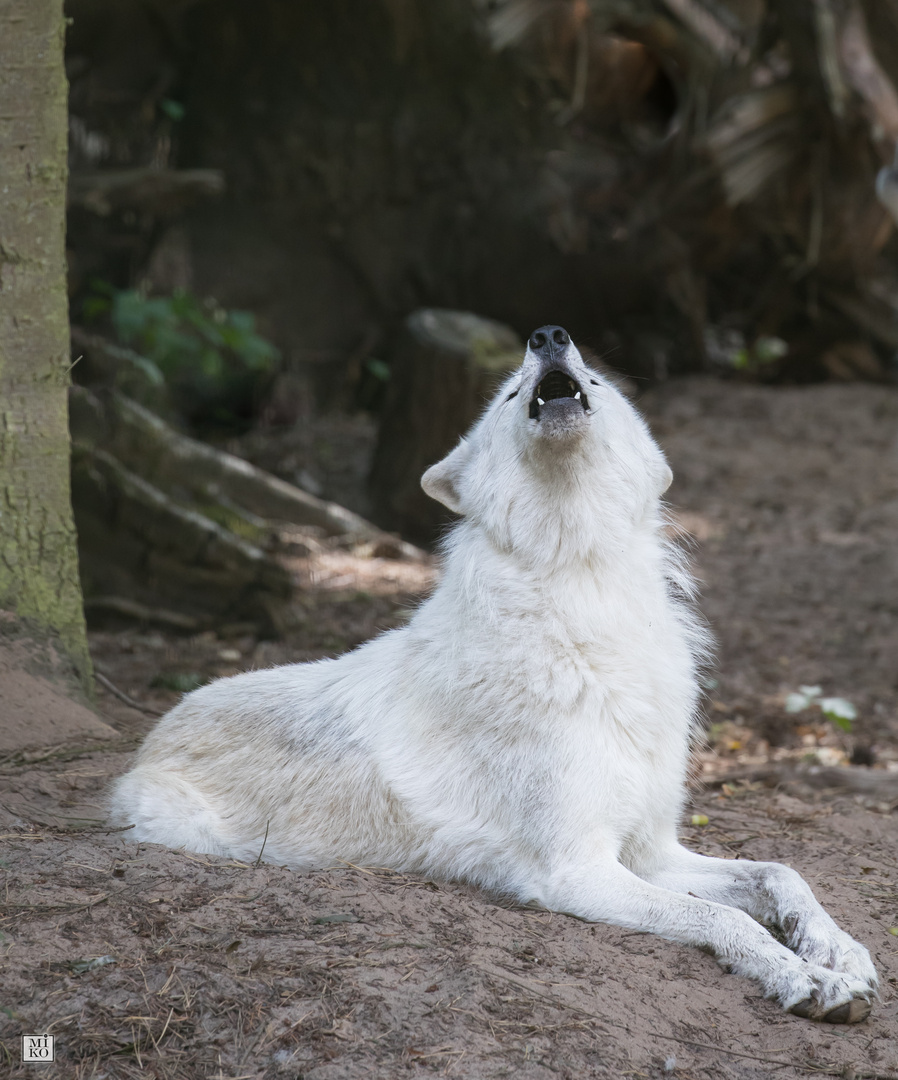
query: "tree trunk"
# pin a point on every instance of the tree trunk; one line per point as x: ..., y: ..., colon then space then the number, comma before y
x: 173, y: 531
x: 445, y: 367
x: 38, y: 554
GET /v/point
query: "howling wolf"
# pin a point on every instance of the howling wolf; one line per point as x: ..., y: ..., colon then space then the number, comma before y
x: 529, y: 730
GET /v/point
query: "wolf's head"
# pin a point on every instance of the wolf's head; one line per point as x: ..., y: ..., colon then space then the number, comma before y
x: 559, y: 459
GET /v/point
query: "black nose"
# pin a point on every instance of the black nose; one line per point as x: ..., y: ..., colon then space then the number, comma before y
x: 548, y: 339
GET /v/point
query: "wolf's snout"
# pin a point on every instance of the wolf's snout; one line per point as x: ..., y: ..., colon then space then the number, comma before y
x: 553, y: 351
x: 548, y: 340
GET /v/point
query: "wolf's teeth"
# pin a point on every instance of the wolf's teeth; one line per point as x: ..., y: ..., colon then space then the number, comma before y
x: 539, y: 401
x: 577, y: 396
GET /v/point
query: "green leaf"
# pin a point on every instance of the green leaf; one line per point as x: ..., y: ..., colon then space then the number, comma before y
x: 378, y: 369
x: 211, y: 363
x: 129, y: 314
x: 840, y: 711
x: 243, y: 321
x: 837, y: 706
x: 768, y: 349
x: 174, y: 110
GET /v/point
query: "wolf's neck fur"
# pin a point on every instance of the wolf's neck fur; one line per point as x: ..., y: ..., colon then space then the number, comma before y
x: 613, y: 616
x: 582, y: 578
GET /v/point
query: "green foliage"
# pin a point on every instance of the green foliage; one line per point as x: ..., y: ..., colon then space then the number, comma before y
x: 764, y: 351
x: 839, y: 710
x: 211, y: 359
x: 728, y: 348
x: 174, y: 110
x: 182, y: 331
x: 378, y: 369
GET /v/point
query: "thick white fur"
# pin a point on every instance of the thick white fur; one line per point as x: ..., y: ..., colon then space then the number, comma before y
x: 528, y: 730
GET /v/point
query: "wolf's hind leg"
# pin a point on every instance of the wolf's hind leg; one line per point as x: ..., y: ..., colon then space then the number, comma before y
x: 773, y: 894
x: 607, y: 892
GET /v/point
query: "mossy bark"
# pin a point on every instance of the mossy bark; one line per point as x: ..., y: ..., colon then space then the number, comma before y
x: 38, y: 553
x: 445, y: 367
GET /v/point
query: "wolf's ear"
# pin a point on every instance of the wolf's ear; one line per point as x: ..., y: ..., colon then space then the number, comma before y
x: 441, y: 481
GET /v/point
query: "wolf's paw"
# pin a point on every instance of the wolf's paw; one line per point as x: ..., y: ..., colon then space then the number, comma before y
x: 839, y: 952
x: 852, y: 1012
x: 834, y: 998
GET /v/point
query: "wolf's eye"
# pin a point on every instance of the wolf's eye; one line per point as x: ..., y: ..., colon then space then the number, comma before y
x: 594, y: 383
x: 514, y: 393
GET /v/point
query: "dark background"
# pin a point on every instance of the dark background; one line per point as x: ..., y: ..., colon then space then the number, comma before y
x: 378, y: 156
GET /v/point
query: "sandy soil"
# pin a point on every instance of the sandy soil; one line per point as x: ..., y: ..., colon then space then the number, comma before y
x: 144, y: 962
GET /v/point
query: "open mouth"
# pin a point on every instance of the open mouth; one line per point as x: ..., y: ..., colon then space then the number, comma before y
x: 553, y: 386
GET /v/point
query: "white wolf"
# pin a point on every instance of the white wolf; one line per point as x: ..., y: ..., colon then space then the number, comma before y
x: 528, y: 730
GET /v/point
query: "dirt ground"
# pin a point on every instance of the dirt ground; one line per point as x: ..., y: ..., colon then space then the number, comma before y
x: 144, y: 962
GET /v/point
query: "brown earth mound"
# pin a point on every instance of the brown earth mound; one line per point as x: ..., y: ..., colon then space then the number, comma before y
x: 37, y: 696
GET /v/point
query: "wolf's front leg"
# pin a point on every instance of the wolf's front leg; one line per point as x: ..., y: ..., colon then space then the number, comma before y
x: 773, y: 894
x: 608, y: 892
